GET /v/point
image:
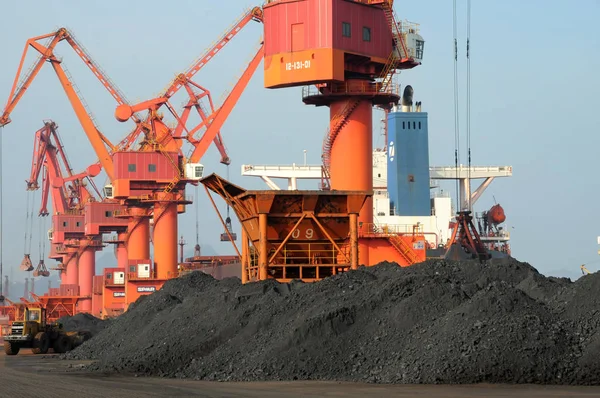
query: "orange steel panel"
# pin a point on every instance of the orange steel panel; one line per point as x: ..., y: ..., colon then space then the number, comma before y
x: 165, y: 241
x: 68, y: 223
x: 113, y: 300
x: 303, y: 67
x: 121, y: 188
x: 298, y: 37
x: 380, y: 250
x: 149, y: 166
x: 99, y: 216
x: 360, y: 16
x: 136, y: 289
x: 278, y: 19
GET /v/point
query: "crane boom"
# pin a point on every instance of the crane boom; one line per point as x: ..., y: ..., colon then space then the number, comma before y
x: 216, y: 120
x: 49, y: 155
x: 102, y: 146
x: 89, y: 127
x: 253, y: 14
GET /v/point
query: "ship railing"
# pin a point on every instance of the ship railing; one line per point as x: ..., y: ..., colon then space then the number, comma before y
x: 408, y: 27
x: 390, y: 229
x: 293, y: 167
x: 506, y: 169
x: 442, y: 194
x: 381, y: 193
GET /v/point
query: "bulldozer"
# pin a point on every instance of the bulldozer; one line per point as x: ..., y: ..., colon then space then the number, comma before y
x: 34, y: 332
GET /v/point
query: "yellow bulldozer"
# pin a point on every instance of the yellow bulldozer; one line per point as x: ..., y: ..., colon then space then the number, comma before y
x: 33, y: 332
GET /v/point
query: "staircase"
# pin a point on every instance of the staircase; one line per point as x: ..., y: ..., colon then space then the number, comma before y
x: 404, y: 249
x: 396, y: 33
x: 169, y: 188
x: 388, y: 70
x: 337, y: 122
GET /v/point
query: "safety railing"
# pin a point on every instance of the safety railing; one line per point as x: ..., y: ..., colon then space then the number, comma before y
x: 135, y: 276
x: 74, y: 212
x: 350, y: 88
x: 297, y: 254
x: 389, y: 229
x: 111, y: 282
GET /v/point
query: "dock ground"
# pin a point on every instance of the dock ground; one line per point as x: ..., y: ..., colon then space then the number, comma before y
x: 28, y: 375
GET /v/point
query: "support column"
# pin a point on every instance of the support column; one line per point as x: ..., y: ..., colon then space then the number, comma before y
x: 87, y: 268
x: 71, y: 274
x: 465, y: 194
x: 165, y: 240
x: 262, y: 247
x: 138, y: 241
x: 245, y: 255
x: 352, y: 159
x: 353, y: 218
x: 122, y: 250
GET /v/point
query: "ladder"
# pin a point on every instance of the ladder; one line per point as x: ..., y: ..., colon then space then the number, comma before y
x: 404, y: 249
x: 169, y: 188
x: 337, y: 123
x: 388, y: 70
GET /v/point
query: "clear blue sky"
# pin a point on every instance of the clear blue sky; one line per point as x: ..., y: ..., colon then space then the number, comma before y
x: 534, y: 105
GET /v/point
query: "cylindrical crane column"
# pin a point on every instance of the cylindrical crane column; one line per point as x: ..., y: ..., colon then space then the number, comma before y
x: 352, y: 153
x: 165, y: 240
x: 138, y: 241
x: 351, y: 166
x: 87, y: 269
x: 122, y: 250
x: 71, y: 274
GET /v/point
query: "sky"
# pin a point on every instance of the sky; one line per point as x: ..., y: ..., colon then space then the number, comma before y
x: 534, y: 106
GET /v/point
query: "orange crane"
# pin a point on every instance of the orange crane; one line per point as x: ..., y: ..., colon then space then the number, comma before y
x: 70, y: 193
x: 165, y: 195
x: 157, y: 188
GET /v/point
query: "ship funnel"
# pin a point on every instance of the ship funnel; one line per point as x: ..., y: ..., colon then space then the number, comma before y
x: 418, y: 106
x: 407, y: 99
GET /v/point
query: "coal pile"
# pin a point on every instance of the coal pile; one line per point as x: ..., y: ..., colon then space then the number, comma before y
x: 83, y: 322
x: 435, y: 322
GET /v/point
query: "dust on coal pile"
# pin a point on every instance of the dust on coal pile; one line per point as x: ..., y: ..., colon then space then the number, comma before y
x: 435, y: 322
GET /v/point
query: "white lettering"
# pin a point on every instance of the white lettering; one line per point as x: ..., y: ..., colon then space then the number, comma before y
x: 118, y: 294
x: 146, y: 289
x: 308, y: 234
x: 297, y: 65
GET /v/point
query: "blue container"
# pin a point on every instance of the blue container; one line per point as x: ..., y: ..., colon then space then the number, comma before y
x: 408, y: 164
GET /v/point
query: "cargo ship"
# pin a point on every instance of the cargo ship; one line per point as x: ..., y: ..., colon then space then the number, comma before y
x: 407, y: 192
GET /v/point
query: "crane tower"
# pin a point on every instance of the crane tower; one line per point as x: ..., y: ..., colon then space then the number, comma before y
x: 344, y: 53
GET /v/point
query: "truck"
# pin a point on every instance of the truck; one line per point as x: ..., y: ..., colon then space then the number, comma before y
x: 35, y: 333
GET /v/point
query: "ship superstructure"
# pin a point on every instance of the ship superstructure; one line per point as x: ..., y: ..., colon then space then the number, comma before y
x: 408, y: 193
